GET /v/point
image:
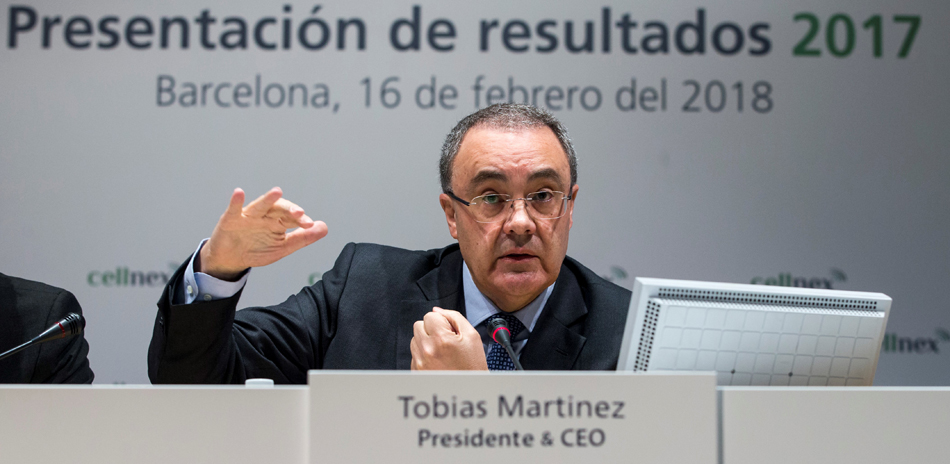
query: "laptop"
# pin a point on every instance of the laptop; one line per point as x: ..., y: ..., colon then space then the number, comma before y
x: 755, y: 334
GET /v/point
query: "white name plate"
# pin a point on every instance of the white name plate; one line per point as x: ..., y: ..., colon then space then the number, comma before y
x: 468, y: 417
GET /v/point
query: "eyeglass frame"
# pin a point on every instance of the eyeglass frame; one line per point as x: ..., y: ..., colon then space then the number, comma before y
x: 503, y: 217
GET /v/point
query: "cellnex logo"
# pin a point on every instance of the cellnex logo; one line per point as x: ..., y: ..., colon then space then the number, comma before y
x: 124, y: 277
x: 314, y: 277
x: 616, y: 274
x: 894, y: 343
x: 786, y: 279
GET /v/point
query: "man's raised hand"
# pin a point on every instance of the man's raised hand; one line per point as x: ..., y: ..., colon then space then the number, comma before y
x: 256, y: 235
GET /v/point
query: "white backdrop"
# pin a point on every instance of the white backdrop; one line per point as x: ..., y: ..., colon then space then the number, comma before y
x: 835, y: 175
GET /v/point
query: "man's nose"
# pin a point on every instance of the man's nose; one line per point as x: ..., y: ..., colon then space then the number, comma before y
x: 519, y: 220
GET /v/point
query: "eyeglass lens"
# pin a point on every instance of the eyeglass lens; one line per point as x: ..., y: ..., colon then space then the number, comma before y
x: 544, y: 205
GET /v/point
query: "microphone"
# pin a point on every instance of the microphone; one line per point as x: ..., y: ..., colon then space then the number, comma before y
x: 70, y: 325
x: 502, y: 336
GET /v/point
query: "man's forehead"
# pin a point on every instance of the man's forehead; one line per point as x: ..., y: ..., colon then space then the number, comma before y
x: 484, y: 133
x: 490, y: 154
x: 491, y: 173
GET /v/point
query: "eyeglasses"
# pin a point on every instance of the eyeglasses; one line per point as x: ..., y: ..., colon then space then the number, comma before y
x: 546, y: 204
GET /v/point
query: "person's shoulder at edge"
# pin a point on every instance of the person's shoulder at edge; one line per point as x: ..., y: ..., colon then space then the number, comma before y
x: 73, y: 366
x: 25, y: 285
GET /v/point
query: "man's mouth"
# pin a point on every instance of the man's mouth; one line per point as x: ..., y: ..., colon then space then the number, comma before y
x: 518, y: 257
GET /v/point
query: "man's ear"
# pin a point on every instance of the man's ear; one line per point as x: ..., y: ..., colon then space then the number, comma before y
x: 570, y: 206
x: 448, y: 206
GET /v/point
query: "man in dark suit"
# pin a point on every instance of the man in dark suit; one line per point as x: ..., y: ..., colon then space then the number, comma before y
x: 509, y: 184
x: 28, y: 308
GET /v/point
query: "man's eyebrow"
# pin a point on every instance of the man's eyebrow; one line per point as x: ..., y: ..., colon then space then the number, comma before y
x: 546, y: 173
x: 484, y: 176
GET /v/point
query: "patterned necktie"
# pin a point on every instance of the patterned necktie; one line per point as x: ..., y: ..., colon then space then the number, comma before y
x: 498, y: 359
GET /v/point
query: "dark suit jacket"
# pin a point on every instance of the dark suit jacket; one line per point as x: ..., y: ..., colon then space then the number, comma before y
x: 28, y: 308
x: 360, y: 316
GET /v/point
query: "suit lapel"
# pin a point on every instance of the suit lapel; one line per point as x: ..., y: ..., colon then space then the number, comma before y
x: 441, y: 287
x: 552, y: 344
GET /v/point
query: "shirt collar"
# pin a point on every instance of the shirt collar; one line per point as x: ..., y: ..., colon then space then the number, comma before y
x: 478, y: 307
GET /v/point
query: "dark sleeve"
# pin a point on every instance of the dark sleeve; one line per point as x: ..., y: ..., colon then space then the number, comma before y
x: 63, y: 361
x: 210, y: 342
